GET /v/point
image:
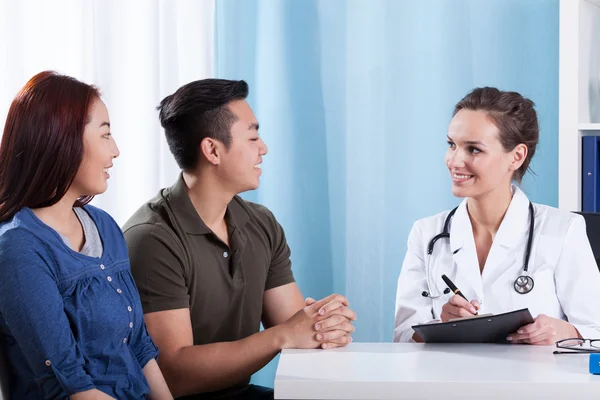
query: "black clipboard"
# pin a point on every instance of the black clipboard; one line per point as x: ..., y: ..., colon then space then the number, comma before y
x: 483, y: 329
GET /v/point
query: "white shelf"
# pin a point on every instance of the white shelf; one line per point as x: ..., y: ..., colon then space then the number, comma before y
x: 579, y: 93
x: 594, y: 2
x: 589, y: 126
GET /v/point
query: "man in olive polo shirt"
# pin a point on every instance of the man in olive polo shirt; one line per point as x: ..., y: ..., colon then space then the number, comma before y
x: 209, y: 266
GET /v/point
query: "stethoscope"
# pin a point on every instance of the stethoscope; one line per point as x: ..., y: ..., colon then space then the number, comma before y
x: 523, y: 284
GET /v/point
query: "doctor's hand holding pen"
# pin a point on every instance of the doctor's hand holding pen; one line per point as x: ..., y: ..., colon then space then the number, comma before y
x: 544, y: 330
x: 459, y: 307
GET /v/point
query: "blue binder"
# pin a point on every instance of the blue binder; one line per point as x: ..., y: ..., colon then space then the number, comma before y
x: 590, y: 174
x: 595, y: 363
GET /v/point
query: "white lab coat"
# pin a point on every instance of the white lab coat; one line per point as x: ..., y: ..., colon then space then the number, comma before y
x: 567, y: 281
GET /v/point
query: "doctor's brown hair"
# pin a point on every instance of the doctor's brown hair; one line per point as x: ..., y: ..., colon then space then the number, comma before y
x: 42, y: 144
x: 513, y: 115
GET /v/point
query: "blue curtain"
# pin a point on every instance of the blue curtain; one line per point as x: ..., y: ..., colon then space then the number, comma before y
x: 354, y: 99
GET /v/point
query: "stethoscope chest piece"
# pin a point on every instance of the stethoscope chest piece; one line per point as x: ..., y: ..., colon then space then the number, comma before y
x: 524, y: 284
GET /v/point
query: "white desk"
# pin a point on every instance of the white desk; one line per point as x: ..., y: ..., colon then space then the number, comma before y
x: 434, y: 371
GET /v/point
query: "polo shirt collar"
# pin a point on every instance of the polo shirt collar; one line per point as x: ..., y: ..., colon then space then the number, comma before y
x: 185, y: 213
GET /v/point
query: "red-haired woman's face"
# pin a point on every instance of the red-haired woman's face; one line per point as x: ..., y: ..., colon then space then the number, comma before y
x: 99, y: 149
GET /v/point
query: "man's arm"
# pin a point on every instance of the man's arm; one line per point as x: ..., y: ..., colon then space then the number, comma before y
x: 192, y: 369
x: 280, y: 303
x: 332, y: 327
x: 282, y: 297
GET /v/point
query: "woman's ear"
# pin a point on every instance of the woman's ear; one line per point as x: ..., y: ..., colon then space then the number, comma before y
x: 518, y: 156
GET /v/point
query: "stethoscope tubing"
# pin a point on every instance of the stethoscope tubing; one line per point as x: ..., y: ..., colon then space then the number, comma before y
x: 522, y: 285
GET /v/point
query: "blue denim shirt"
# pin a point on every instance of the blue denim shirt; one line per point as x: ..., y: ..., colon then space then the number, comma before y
x: 69, y: 322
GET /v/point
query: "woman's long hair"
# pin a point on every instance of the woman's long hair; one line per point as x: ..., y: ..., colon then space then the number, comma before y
x: 42, y: 144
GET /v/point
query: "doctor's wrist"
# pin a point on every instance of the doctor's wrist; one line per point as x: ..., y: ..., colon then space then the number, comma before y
x: 572, y: 331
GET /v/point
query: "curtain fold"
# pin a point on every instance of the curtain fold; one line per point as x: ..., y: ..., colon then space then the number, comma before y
x: 136, y: 51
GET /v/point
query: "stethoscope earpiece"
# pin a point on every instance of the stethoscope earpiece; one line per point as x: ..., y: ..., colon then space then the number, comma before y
x: 425, y: 293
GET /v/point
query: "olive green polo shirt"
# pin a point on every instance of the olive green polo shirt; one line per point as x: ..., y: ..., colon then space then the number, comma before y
x: 178, y: 262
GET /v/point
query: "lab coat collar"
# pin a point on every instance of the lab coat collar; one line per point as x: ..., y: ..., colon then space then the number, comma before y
x: 515, y: 221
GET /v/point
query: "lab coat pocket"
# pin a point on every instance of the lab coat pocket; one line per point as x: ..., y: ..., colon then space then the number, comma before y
x: 542, y: 298
x: 546, y: 253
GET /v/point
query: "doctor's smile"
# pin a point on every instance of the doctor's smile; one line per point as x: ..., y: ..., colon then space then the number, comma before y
x: 460, y: 178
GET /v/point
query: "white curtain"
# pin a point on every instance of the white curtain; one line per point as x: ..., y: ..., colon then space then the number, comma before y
x: 136, y: 51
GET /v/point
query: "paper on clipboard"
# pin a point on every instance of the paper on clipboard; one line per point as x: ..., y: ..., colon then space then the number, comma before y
x: 471, y: 317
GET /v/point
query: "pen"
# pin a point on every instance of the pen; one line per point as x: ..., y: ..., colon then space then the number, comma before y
x: 453, y: 287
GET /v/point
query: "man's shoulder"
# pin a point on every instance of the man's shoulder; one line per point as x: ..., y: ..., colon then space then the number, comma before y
x: 150, y: 223
x: 149, y: 214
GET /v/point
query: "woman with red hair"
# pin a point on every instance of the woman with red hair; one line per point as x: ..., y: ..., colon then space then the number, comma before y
x: 71, y: 323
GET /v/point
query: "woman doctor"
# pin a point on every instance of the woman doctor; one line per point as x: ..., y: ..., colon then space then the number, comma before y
x: 491, y: 140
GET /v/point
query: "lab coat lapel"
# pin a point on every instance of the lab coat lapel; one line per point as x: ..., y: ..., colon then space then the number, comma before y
x: 509, y: 242
x: 464, y: 255
x: 460, y: 229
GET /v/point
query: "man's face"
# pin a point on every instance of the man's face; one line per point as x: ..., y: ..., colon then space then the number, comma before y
x: 240, y: 167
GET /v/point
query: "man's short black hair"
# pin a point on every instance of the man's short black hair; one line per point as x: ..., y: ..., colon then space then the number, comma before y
x: 198, y: 110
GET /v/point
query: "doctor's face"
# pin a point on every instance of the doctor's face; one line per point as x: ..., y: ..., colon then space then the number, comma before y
x: 477, y: 161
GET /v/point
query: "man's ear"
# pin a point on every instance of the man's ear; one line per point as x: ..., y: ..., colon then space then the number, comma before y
x: 210, y: 149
